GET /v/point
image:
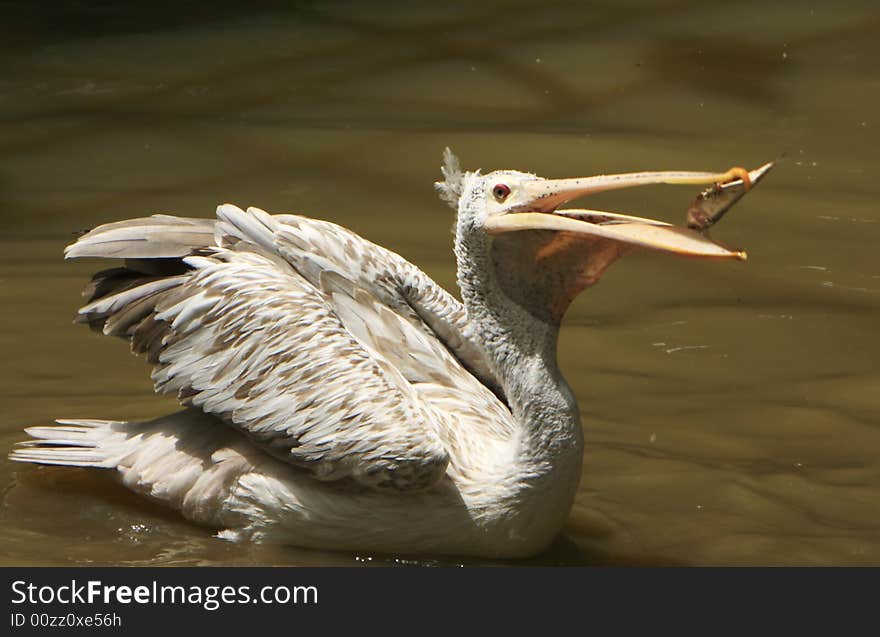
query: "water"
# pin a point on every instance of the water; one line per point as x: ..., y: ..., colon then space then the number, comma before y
x: 730, y: 409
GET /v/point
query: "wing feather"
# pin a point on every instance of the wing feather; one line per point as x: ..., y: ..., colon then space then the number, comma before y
x: 159, y: 236
x: 328, y: 351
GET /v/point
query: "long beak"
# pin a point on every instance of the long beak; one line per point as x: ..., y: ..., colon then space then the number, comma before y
x: 548, y: 194
x: 543, y: 197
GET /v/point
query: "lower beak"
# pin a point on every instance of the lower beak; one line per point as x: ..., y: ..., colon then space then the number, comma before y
x: 545, y: 196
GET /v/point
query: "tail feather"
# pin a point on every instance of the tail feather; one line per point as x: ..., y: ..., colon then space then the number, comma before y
x: 62, y: 457
x: 188, y: 460
x: 73, y: 443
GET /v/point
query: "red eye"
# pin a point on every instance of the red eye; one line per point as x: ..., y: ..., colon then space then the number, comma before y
x: 500, y: 191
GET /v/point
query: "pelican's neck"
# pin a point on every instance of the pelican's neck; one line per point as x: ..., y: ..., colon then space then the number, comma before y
x: 521, y: 349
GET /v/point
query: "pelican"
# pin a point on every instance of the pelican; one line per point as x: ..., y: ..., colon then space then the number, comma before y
x: 334, y: 396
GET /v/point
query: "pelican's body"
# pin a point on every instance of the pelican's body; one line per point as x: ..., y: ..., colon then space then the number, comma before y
x: 336, y: 396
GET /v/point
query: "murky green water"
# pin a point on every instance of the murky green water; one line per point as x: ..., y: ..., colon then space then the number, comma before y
x: 731, y: 410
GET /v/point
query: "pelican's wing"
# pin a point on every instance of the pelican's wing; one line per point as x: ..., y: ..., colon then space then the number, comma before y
x: 316, y: 248
x: 315, y: 366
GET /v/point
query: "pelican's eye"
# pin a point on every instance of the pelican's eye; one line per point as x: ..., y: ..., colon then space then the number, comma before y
x: 500, y: 191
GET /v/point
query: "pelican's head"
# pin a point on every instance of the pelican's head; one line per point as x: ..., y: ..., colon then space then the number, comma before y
x: 541, y: 255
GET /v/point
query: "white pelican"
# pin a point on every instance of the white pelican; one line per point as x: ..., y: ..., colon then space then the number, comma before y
x: 337, y: 397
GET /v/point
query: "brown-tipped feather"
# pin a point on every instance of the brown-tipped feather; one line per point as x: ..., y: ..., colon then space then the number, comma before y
x: 159, y: 236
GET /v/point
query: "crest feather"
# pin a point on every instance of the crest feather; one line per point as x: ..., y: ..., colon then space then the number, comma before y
x: 451, y: 188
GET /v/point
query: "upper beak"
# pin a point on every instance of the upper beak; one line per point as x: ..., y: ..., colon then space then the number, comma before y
x: 544, y: 196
